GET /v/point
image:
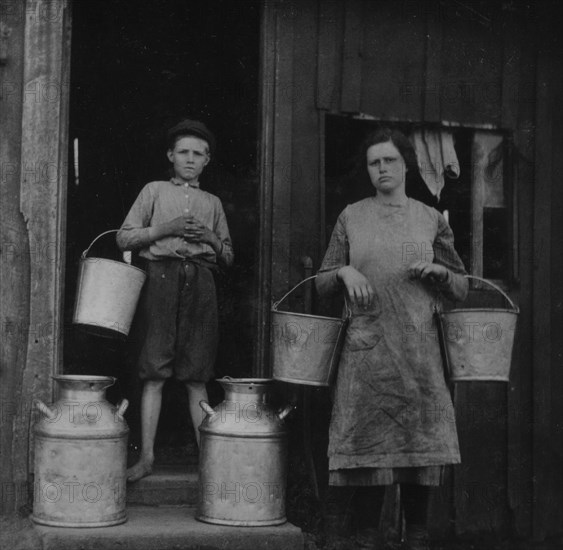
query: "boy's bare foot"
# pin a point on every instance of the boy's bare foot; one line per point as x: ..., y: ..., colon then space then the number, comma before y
x: 143, y: 468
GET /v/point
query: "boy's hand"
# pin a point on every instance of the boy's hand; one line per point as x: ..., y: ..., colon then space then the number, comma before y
x: 173, y: 228
x: 188, y: 227
x: 196, y: 232
x: 177, y: 226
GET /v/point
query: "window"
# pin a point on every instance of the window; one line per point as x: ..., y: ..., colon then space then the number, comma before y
x: 477, y: 204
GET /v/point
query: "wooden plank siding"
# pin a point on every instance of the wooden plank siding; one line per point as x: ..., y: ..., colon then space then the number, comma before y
x: 392, y: 75
x: 329, y: 54
x: 14, y: 270
x: 556, y: 312
x: 32, y: 305
x: 470, y: 82
x: 547, y: 410
x: 433, y: 61
x: 351, y: 73
x: 305, y: 202
x: 267, y: 79
x: 283, y: 146
x: 521, y: 100
x: 466, y: 64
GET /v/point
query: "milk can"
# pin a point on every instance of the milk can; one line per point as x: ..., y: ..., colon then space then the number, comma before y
x: 242, y: 457
x: 80, y: 456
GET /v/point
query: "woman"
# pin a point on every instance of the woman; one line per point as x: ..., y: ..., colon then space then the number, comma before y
x: 392, y: 418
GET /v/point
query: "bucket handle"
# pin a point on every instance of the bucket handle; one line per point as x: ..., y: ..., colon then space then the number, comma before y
x: 276, y: 304
x: 514, y: 306
x: 85, y: 253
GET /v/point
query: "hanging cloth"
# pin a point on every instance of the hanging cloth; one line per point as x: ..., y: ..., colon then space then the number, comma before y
x: 436, y: 157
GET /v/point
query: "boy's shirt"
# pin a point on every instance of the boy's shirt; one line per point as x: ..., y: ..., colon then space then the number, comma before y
x: 162, y: 201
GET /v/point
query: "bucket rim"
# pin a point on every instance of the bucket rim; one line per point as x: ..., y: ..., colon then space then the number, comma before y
x: 480, y: 378
x: 302, y: 382
x: 245, y: 380
x: 325, y: 318
x: 480, y: 310
x: 83, y: 378
x: 123, y: 264
x: 100, y: 331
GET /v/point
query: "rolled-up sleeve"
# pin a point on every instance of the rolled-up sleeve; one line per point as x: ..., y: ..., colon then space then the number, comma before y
x: 135, y: 232
x: 336, y: 256
x: 455, y: 287
x: 226, y: 256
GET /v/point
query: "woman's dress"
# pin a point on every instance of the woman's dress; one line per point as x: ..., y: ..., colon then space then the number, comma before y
x: 392, y: 407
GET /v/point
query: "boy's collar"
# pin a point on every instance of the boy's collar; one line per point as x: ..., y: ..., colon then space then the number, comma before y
x: 177, y: 181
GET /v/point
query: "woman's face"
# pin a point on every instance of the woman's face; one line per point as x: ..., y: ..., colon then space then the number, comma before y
x: 386, y: 168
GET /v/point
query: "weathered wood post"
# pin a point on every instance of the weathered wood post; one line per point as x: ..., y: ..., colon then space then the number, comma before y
x: 33, y: 134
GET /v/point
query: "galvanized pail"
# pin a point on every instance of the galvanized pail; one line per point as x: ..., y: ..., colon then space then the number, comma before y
x: 305, y: 348
x: 80, y: 456
x: 107, y: 294
x: 478, y: 342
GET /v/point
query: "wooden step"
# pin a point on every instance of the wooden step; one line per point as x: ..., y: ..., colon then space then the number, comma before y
x: 167, y: 485
x: 169, y: 528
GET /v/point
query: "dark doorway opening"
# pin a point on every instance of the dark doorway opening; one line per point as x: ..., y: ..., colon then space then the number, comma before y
x: 137, y: 68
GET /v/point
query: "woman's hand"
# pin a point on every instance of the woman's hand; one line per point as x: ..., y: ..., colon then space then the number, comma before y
x: 358, y: 287
x: 427, y: 271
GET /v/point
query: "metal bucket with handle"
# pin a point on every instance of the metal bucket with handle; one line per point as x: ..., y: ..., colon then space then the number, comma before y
x: 478, y: 342
x: 107, y: 294
x: 305, y: 349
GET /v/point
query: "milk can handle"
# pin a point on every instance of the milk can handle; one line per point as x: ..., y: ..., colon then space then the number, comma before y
x: 207, y: 408
x: 283, y: 413
x: 514, y: 306
x: 276, y: 304
x: 122, y: 407
x: 44, y: 409
x: 85, y: 253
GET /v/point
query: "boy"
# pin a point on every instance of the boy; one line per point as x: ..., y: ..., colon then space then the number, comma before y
x: 181, y: 232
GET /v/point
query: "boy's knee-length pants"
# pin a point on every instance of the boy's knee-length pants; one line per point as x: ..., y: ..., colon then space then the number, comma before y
x: 178, y: 312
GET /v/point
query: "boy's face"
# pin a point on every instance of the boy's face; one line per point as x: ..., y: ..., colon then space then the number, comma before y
x: 189, y: 157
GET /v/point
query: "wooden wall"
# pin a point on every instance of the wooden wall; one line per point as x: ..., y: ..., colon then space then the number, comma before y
x: 547, y: 277
x: 33, y: 157
x: 476, y: 64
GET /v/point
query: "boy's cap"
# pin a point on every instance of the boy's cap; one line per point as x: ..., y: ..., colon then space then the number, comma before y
x: 192, y: 128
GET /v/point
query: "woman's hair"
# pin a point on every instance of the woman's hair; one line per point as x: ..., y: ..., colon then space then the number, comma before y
x: 357, y: 182
x: 398, y: 139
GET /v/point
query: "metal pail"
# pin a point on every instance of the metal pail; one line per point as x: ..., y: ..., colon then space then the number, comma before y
x: 107, y: 294
x: 80, y: 456
x: 243, y: 457
x: 305, y: 349
x: 478, y: 342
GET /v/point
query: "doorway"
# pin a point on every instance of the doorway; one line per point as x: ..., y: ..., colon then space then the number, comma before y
x: 136, y: 69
